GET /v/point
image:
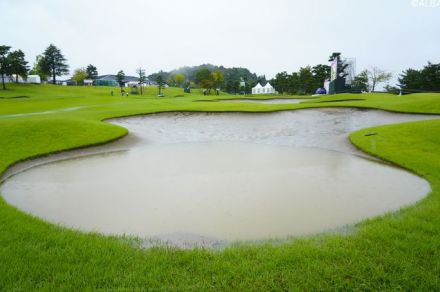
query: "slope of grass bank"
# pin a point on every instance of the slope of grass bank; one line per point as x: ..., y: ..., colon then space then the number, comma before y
x: 400, y: 250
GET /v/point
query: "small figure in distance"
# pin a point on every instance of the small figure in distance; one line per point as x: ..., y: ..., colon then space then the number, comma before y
x: 111, y: 93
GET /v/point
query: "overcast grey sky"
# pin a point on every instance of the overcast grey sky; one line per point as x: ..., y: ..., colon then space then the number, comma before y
x: 265, y: 36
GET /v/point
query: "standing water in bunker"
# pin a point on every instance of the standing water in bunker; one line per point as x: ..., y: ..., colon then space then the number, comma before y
x: 207, y: 177
x: 267, y: 101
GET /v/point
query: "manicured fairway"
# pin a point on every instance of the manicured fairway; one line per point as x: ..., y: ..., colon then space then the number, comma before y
x: 396, y: 251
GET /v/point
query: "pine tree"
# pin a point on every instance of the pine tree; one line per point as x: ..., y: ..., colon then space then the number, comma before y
x: 18, y: 65
x: 54, y: 63
x: 92, y: 72
x: 4, y: 63
x: 120, y: 78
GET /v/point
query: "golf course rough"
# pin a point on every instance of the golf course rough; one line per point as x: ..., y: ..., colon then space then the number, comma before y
x: 400, y: 250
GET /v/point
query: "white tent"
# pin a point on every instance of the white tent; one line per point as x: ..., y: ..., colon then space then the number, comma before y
x: 88, y: 82
x: 132, y: 84
x: 12, y: 78
x: 258, y: 89
x: 33, y: 79
x: 268, y: 88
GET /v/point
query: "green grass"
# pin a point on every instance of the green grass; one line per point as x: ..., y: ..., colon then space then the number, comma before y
x: 397, y: 251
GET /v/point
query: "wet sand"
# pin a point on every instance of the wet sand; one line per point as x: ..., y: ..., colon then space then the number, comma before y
x: 268, y: 101
x: 203, y: 179
x: 326, y: 128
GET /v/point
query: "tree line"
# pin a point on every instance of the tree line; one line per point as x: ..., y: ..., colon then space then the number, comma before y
x: 48, y: 65
x: 411, y: 80
x: 52, y: 63
x: 369, y: 79
x: 12, y: 62
x: 305, y: 81
x: 426, y: 79
x: 208, y: 76
x: 308, y: 79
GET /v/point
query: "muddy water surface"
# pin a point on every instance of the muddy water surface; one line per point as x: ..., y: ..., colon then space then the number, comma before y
x: 268, y: 101
x: 200, y: 179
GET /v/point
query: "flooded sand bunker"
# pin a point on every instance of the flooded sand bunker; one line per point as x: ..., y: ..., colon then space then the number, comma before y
x: 224, y: 176
x: 268, y: 101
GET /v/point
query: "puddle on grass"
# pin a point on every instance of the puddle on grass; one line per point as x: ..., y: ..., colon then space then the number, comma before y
x: 67, y: 109
x: 267, y: 101
x: 197, y: 179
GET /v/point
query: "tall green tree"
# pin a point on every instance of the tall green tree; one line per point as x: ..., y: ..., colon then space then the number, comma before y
x: 205, y: 79
x: 411, y: 80
x: 120, y: 76
x: 160, y: 80
x: 92, y: 72
x: 180, y: 79
x: 306, y: 80
x: 281, y: 82
x: 431, y: 77
x: 18, y: 65
x: 262, y: 80
x: 79, y: 75
x: 165, y: 75
x: 232, y: 85
x: 142, y: 78
x: 5, y: 65
x: 217, y: 79
x: 37, y: 69
x: 426, y: 79
x: 54, y: 63
x: 320, y: 74
x: 293, y: 83
x: 172, y: 81
x: 360, y: 81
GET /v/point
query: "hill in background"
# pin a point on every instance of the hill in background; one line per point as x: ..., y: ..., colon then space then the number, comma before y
x: 232, y: 76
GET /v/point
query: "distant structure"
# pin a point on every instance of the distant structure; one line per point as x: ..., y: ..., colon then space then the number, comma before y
x: 257, y: 89
x: 267, y: 89
x: 242, y: 86
x: 110, y: 80
x: 88, y: 82
x: 34, y: 79
x: 343, y: 71
x: 30, y: 79
x: 129, y: 81
x: 350, y: 70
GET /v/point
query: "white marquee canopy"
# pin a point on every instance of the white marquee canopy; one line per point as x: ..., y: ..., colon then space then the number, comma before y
x: 267, y: 89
